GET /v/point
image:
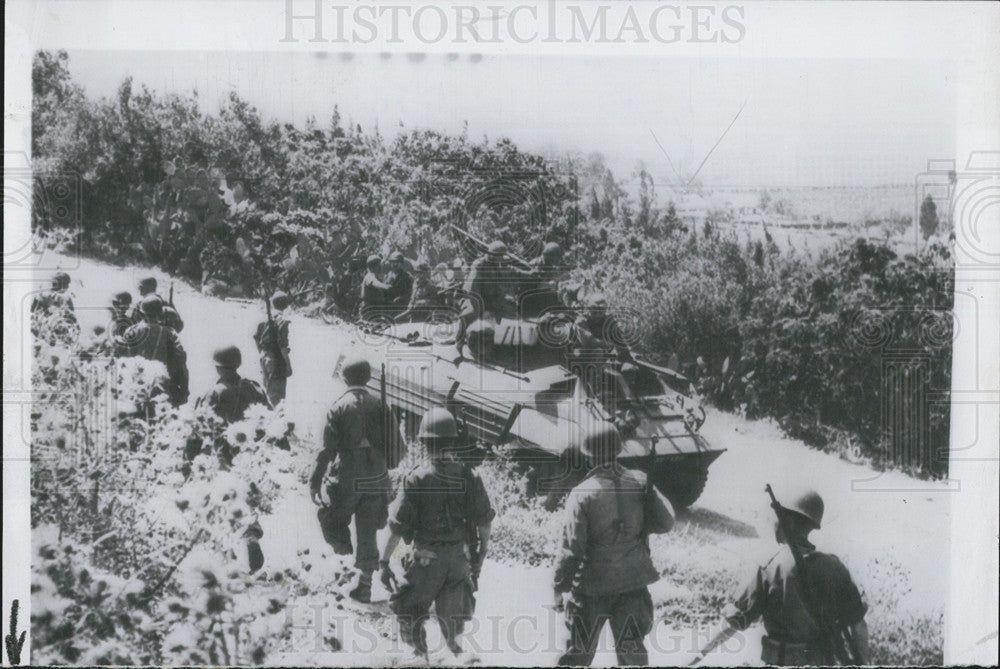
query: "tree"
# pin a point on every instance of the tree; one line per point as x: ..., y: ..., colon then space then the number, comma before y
x: 928, y: 217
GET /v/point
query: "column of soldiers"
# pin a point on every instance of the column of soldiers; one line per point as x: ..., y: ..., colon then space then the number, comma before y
x: 442, y: 510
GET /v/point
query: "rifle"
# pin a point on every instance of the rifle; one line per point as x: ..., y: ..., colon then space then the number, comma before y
x: 272, y: 326
x: 170, y: 297
x: 837, y: 641
x: 483, y: 246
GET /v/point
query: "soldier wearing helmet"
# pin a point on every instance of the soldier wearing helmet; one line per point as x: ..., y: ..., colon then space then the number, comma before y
x: 597, y: 331
x: 52, y: 313
x: 540, y: 290
x: 775, y: 594
x: 487, y: 287
x: 168, y: 314
x: 400, y: 283
x: 604, y: 567
x: 271, y: 338
x: 152, y: 340
x: 361, y: 442
x: 424, y: 295
x: 232, y: 394
x: 374, y: 290
x: 444, y: 512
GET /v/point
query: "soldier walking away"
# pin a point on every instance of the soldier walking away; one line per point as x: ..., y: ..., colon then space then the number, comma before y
x: 152, y: 340
x: 229, y: 399
x: 52, y: 312
x: 360, y: 441
x: 168, y: 316
x: 232, y: 394
x: 604, y: 564
x: 807, y: 600
x: 444, y: 512
x: 272, y: 343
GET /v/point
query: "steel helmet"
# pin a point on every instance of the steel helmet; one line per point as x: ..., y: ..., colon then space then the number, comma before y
x: 395, y: 256
x: 280, y: 300
x: 806, y: 503
x: 356, y: 370
x: 497, y: 248
x: 148, y: 284
x: 602, y: 442
x: 373, y: 262
x: 60, y: 280
x: 122, y: 299
x: 438, y: 423
x: 228, y: 357
x: 551, y: 249
x: 151, y: 305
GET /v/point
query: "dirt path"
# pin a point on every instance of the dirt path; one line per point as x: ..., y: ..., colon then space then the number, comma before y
x: 889, y: 517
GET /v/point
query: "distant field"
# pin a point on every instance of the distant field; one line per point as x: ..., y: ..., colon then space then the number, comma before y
x: 804, y: 217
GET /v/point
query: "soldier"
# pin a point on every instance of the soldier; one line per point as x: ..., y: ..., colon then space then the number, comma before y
x: 597, y: 330
x: 169, y: 315
x: 373, y: 290
x: 153, y: 341
x: 120, y: 320
x: 231, y: 394
x: 53, y: 314
x: 423, y: 295
x: 272, y: 344
x: 56, y: 298
x: 485, y: 290
x: 541, y: 289
x: 400, y: 282
x: 443, y: 510
x: 604, y: 563
x: 775, y: 593
x: 350, y: 479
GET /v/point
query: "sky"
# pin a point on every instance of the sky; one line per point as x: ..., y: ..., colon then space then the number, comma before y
x: 830, y: 122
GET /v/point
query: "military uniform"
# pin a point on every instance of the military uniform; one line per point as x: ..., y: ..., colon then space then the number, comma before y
x: 272, y: 343
x: 53, y: 315
x: 168, y: 314
x: 153, y: 341
x: 438, y: 502
x: 373, y: 295
x: 229, y: 398
x: 358, y: 437
x: 774, y: 593
x: 400, y: 282
x: 605, y: 563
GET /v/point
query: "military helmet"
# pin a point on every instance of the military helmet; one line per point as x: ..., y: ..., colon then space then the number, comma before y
x: 497, y: 248
x: 438, y: 423
x: 280, y: 300
x: 805, y: 503
x: 395, y: 256
x: 228, y: 357
x: 122, y: 299
x: 356, y: 370
x: 151, y: 305
x: 551, y: 249
x: 373, y: 261
x: 422, y: 265
x: 148, y: 284
x: 601, y: 443
x: 60, y: 280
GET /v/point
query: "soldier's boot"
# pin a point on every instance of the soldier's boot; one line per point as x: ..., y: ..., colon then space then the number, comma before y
x: 363, y: 591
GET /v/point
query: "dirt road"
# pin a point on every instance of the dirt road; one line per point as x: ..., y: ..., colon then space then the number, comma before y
x: 870, y: 516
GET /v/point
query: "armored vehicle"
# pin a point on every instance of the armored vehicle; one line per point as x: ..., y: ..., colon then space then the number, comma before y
x: 517, y: 387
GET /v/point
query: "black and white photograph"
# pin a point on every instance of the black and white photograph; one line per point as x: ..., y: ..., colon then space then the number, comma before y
x: 537, y: 333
